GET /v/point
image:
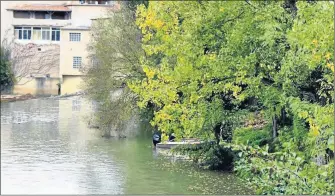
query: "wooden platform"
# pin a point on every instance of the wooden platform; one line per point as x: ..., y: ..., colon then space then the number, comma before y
x: 169, y: 145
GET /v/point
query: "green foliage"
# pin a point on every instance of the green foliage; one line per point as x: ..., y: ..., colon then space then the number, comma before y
x: 251, y: 136
x: 6, y: 74
x: 132, y: 5
x: 115, y: 51
x: 283, y: 172
x: 209, y: 156
x: 201, y: 67
x: 165, y: 138
x: 205, y: 61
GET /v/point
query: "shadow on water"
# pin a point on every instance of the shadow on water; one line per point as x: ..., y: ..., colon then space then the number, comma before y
x: 46, y: 148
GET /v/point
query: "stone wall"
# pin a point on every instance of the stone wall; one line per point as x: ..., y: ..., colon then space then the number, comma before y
x: 36, y: 68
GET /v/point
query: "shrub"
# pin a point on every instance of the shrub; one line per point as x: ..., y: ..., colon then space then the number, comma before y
x: 209, y: 155
x: 251, y: 136
x: 282, y: 172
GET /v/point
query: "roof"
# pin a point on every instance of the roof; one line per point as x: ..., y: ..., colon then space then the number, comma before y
x: 40, y: 7
x: 113, y: 7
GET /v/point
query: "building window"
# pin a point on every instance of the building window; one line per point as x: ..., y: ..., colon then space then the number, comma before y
x: 26, y: 33
x: 45, y: 33
x: 55, y: 34
x: 18, y: 32
x: 37, y: 33
x: 32, y: 15
x: 40, y: 83
x: 42, y: 15
x: 76, y: 62
x: 22, y: 33
x: 47, y: 16
x: 21, y: 14
x: 59, y: 16
x: 89, y: 2
x: 76, y: 105
x: 75, y: 37
x: 68, y: 16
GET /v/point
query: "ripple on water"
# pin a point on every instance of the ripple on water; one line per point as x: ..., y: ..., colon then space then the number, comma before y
x: 51, y: 152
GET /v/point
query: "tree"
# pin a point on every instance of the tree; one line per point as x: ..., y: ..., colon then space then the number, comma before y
x: 214, y: 63
x: 115, y: 51
x: 30, y: 60
x: 206, y: 63
x: 6, y: 75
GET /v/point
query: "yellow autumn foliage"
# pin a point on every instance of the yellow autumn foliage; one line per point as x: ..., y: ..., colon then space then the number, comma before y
x: 317, y: 57
x: 327, y: 56
x: 158, y: 24
x: 164, y: 116
x: 314, y: 130
x: 149, y: 72
x: 303, y: 114
x: 330, y: 66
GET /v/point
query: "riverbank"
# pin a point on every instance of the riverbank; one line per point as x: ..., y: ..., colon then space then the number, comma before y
x: 205, y: 155
x: 12, y: 98
x: 66, y: 95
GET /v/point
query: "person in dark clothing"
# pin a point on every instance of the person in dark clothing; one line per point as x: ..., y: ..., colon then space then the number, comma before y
x: 156, y: 138
x: 171, y: 137
x: 59, y: 88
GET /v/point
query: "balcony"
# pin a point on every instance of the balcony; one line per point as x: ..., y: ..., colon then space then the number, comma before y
x: 43, y: 15
x: 40, y: 22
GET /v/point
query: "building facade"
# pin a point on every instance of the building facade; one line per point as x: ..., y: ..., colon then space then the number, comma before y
x: 48, y: 40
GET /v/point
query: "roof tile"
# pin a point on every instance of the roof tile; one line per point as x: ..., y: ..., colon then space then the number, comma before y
x: 36, y: 7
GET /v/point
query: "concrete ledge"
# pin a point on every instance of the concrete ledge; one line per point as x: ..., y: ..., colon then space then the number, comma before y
x: 170, y: 145
x: 9, y: 98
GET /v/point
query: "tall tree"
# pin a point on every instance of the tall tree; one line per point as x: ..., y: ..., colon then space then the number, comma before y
x: 115, y: 51
x: 6, y: 74
x: 205, y: 63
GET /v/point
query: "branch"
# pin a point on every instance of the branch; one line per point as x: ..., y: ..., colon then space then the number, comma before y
x: 247, y: 1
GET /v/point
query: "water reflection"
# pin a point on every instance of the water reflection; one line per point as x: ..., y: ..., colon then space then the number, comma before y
x: 155, y: 153
x: 76, y: 104
x: 47, y: 148
x: 44, y: 149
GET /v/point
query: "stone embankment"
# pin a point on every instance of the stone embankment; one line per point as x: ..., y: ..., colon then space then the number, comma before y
x: 10, y: 98
x: 66, y: 95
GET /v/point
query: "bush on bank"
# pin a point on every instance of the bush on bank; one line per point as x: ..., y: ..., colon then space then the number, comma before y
x: 200, y: 66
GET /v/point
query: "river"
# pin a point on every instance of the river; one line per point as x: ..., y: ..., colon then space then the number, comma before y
x: 47, y: 148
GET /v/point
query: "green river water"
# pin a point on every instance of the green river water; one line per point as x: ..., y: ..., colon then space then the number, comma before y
x: 47, y: 148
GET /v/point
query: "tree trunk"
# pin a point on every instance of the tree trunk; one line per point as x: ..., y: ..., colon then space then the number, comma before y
x: 283, y: 113
x: 274, y: 127
x: 217, y: 131
x: 291, y: 5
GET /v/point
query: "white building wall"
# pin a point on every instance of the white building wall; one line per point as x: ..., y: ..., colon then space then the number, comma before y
x: 7, y: 19
x: 82, y: 14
